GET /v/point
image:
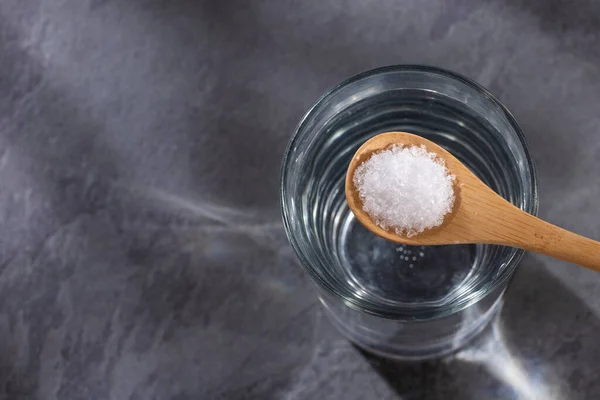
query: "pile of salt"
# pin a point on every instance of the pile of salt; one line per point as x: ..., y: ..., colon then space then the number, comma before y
x: 405, y: 188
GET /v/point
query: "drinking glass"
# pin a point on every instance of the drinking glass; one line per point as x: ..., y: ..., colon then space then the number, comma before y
x: 408, y: 302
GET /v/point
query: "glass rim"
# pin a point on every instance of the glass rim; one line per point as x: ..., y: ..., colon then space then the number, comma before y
x: 389, y: 311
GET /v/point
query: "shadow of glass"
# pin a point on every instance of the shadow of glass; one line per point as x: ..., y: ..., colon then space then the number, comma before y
x: 542, y: 346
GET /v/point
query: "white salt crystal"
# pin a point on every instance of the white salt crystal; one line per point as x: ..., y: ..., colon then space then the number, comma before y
x: 405, y: 188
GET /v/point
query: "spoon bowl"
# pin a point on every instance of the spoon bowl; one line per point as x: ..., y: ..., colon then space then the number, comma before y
x: 479, y: 215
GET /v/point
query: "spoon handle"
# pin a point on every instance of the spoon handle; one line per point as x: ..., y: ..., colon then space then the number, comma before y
x: 507, y: 225
x: 539, y: 236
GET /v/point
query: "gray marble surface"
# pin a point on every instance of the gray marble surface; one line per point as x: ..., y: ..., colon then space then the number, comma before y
x: 141, y: 251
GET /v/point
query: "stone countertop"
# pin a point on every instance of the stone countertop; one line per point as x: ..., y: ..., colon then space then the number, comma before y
x: 141, y: 251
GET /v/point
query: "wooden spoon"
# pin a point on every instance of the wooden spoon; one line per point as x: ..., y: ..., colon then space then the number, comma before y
x: 479, y: 214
